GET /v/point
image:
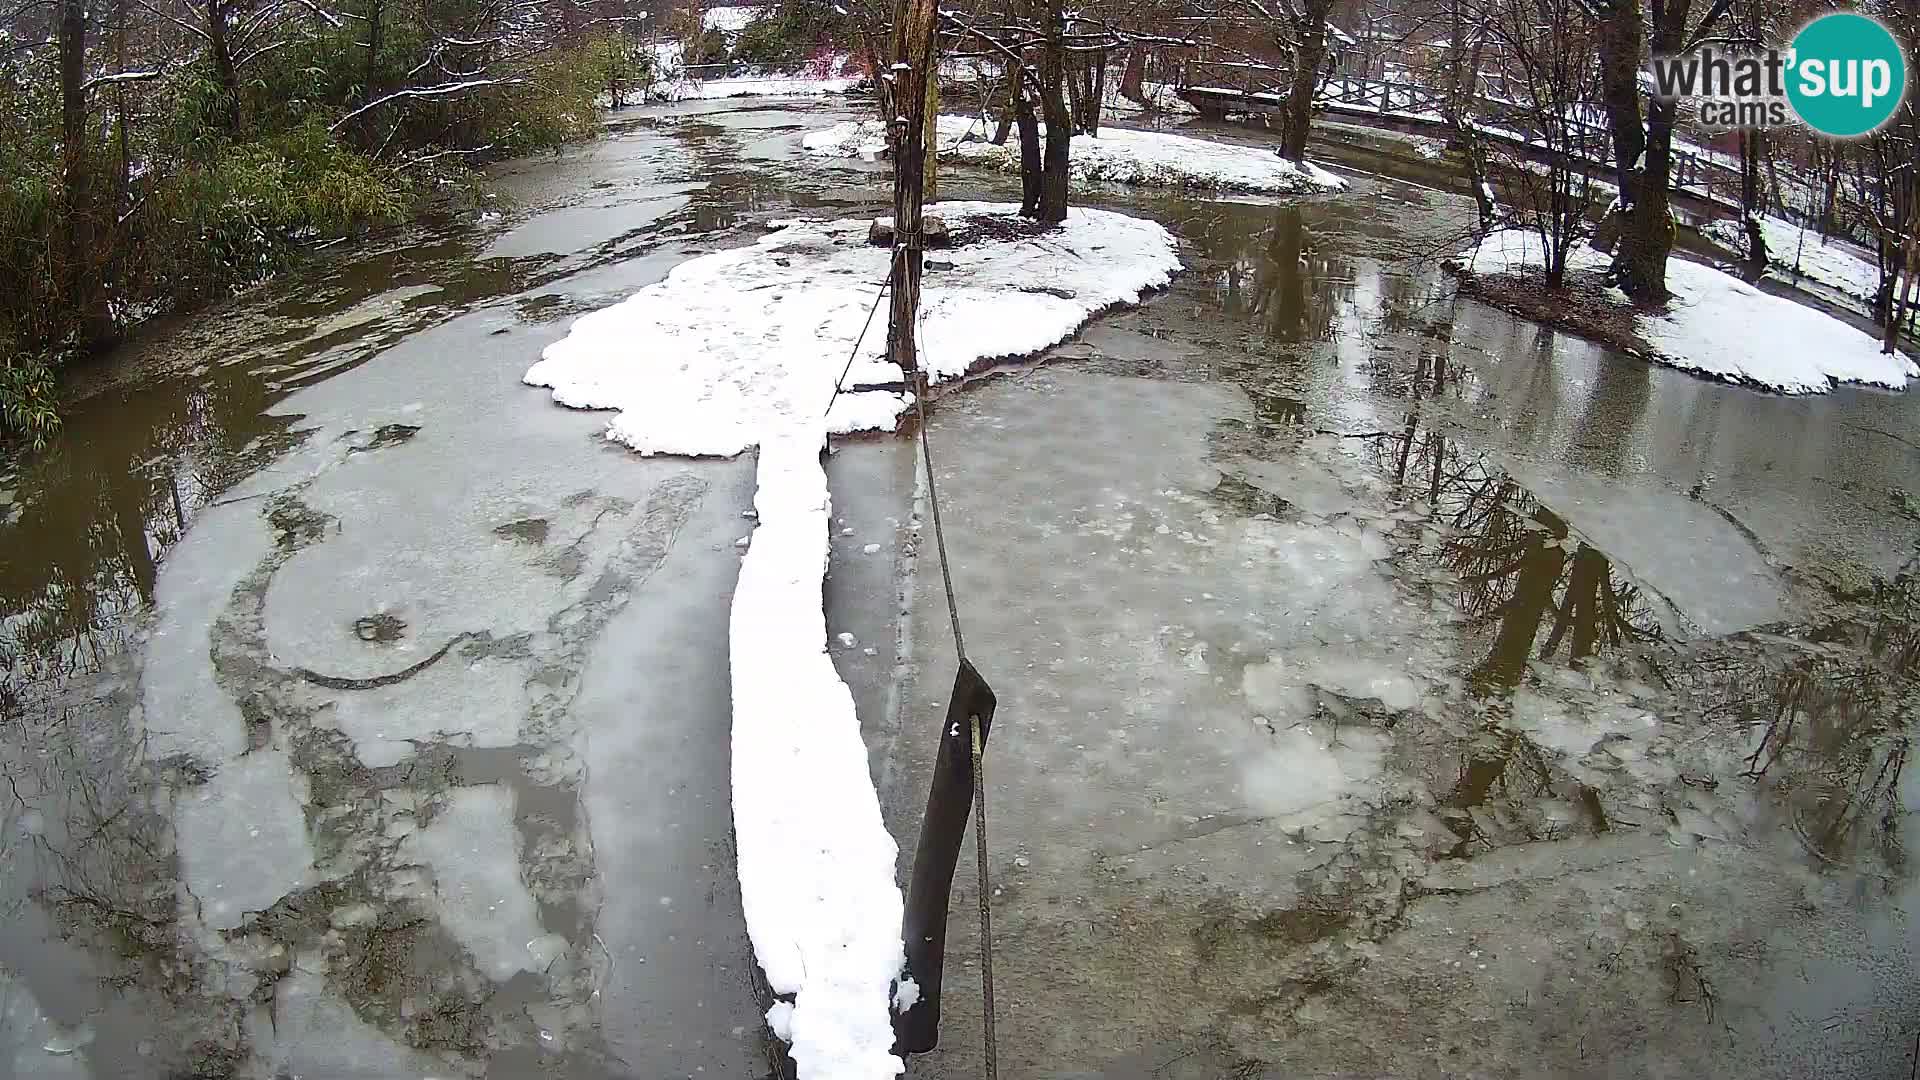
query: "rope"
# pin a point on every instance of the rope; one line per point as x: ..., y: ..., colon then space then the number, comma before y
x: 855, y: 351
x: 982, y: 886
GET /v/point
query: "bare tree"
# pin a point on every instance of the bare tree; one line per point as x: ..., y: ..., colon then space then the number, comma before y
x: 1545, y: 49
x: 1642, y: 236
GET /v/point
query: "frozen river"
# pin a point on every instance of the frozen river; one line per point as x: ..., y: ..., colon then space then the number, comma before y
x: 1388, y: 686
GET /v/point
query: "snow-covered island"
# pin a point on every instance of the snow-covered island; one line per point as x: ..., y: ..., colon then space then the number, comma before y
x: 1717, y: 325
x: 743, y: 348
x: 1116, y: 155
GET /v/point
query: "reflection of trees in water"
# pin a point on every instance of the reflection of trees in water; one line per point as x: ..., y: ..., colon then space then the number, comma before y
x: 1515, y: 562
x: 1836, y: 726
x: 1270, y: 273
x: 102, y: 506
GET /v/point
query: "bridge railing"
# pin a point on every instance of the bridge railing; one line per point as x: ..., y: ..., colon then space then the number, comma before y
x: 1382, y: 96
x: 1504, y: 120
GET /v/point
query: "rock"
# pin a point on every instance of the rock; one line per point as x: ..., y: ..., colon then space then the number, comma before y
x: 933, y: 230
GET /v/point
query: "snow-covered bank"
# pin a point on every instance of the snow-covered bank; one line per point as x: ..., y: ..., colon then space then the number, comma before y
x: 1116, y: 155
x: 1721, y: 327
x: 676, y: 81
x: 742, y: 348
x: 781, y: 86
x: 1838, y: 264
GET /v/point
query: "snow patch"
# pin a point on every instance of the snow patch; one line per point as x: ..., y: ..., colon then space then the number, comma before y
x: 748, y: 341
x: 1836, y: 263
x: 1719, y: 326
x: 742, y: 348
x: 729, y: 20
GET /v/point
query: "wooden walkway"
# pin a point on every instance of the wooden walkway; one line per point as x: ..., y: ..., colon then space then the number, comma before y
x: 1217, y: 88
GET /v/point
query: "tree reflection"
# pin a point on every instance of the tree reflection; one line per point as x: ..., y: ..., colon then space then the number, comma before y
x: 1514, y: 563
x: 100, y: 508
x: 1270, y: 273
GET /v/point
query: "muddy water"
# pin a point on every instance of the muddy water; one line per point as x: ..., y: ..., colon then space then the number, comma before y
x: 327, y: 638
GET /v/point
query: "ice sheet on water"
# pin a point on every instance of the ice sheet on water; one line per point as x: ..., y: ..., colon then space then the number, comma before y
x: 1280, y: 686
x: 314, y: 1033
x: 243, y: 838
x: 185, y: 712
x: 30, y: 1042
x: 1308, y: 771
x: 472, y: 848
x: 469, y: 704
x: 1681, y: 548
x: 745, y: 347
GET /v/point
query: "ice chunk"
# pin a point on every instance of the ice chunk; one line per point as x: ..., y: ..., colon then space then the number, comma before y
x: 243, y: 838
x: 472, y: 847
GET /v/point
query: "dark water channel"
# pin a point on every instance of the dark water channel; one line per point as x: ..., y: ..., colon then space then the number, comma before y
x: 317, y: 625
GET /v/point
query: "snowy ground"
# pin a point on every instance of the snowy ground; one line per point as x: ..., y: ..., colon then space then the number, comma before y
x: 748, y: 86
x: 743, y: 348
x: 822, y: 76
x: 1719, y: 326
x: 1117, y: 155
x: 1792, y: 249
x: 1160, y: 98
x: 730, y: 20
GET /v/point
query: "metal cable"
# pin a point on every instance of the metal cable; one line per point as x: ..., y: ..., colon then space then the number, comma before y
x: 855, y: 351
x: 933, y: 498
x: 986, y: 910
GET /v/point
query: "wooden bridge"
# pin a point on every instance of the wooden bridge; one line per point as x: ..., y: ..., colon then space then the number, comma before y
x: 1700, y: 184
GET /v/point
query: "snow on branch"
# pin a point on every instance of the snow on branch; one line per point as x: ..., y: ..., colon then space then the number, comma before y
x: 443, y: 90
x: 119, y: 77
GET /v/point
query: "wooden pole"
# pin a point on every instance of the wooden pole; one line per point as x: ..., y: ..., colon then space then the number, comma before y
x: 913, y: 41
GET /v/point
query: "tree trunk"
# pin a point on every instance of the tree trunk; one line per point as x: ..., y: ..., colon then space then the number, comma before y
x: 1751, y: 204
x: 376, y: 40
x: 1076, y: 98
x: 1135, y: 74
x: 930, y: 180
x: 123, y: 176
x: 1646, y: 237
x: 225, y: 77
x: 1909, y: 248
x: 1053, y: 105
x: 1029, y: 153
x: 78, y: 280
x: 1619, y: 38
x: 1098, y: 91
x: 1014, y: 91
x: 913, y: 52
x: 1307, y: 58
